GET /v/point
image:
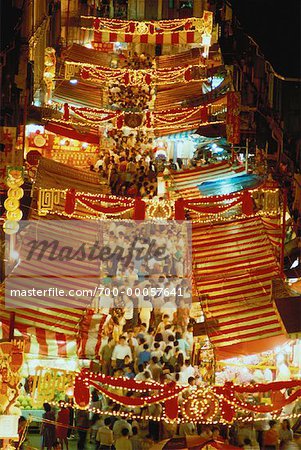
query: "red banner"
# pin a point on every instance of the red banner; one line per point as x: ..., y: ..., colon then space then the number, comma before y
x: 233, y: 119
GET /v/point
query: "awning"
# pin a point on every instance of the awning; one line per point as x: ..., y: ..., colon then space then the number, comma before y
x: 71, y: 133
x: 50, y: 323
x: 181, y: 135
x: 52, y: 174
x: 234, y: 265
x: 186, y: 181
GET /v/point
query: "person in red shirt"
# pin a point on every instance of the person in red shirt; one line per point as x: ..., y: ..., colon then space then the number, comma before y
x: 62, y: 431
x: 271, y: 437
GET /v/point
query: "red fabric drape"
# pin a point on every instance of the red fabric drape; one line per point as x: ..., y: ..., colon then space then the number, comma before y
x: 105, y: 209
x: 70, y: 201
x: 247, y: 203
x: 180, y: 209
x: 139, y: 209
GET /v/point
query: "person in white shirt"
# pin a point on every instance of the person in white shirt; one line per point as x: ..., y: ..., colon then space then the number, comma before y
x: 99, y: 164
x: 157, y: 351
x: 187, y: 371
x: 121, y: 350
x: 119, y: 425
x: 145, y: 311
x: 104, y: 436
x: 128, y: 313
x: 132, y: 341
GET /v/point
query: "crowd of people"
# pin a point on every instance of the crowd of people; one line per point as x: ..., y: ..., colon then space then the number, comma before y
x: 129, y: 173
x: 131, y: 97
x: 107, y: 431
x: 143, y: 61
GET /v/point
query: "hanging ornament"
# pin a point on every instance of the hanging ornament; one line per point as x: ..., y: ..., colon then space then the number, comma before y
x: 11, y: 204
x: 11, y: 227
x: 16, y: 193
x: 15, y: 215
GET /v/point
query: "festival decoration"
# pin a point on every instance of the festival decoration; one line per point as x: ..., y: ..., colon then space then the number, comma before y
x: 205, y: 404
x: 166, y: 392
x: 49, y: 72
x: 211, y: 206
x: 12, y: 204
x: 125, y: 76
x: 98, y: 205
x: 11, y: 360
x: 186, y: 118
x: 51, y: 384
x: 177, y: 31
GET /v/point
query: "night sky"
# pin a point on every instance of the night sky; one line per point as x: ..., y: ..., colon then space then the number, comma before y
x: 275, y: 26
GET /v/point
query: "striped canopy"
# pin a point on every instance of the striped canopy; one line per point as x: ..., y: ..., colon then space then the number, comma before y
x: 54, y: 324
x: 186, y: 182
x: 234, y: 265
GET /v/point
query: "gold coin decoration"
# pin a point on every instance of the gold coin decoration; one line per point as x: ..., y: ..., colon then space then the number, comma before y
x: 11, y: 204
x: 15, y: 193
x: 11, y: 227
x: 14, y: 215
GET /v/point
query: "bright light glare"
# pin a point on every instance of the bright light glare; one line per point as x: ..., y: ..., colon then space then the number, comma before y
x: 14, y: 255
x: 295, y: 263
x: 73, y: 81
x: 31, y: 128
